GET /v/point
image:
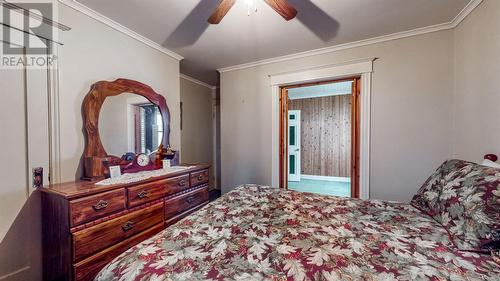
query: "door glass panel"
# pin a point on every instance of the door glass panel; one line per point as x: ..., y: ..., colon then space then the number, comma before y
x: 292, y: 135
x: 292, y: 164
x: 292, y: 116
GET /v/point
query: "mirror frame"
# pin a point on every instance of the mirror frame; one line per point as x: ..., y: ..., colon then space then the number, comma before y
x: 94, y: 153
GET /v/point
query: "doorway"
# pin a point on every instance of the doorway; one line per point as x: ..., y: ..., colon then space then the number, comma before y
x: 319, y: 137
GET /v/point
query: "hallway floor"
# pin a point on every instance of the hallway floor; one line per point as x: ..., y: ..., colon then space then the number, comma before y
x: 333, y: 188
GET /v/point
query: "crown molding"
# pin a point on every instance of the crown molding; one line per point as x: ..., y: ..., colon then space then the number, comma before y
x: 196, y: 81
x: 341, y: 47
x: 399, y: 35
x: 465, y: 12
x: 118, y: 27
x: 384, y: 38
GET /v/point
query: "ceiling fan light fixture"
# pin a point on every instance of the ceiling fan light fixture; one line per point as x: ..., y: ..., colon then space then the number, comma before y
x: 251, y: 5
x: 282, y: 7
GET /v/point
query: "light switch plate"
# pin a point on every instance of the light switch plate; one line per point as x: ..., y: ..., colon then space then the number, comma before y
x: 37, y: 177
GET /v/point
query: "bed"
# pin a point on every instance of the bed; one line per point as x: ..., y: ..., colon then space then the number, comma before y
x: 262, y: 233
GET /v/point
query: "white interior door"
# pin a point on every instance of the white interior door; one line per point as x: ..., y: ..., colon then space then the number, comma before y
x: 294, y: 145
x: 14, y: 166
x: 24, y: 137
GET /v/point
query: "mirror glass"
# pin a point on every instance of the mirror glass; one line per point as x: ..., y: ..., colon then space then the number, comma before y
x: 130, y: 123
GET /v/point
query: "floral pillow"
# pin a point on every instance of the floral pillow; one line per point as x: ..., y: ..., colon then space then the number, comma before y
x: 465, y: 198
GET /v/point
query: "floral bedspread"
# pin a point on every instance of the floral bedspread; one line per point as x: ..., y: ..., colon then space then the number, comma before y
x: 262, y: 233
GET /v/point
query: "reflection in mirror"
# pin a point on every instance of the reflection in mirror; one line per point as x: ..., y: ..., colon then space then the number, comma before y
x: 130, y: 123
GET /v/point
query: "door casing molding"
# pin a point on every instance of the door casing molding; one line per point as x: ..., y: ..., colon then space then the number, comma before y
x: 363, y: 68
x: 54, y: 119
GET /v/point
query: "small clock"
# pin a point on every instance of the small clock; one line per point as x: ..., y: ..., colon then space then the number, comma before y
x: 142, y: 160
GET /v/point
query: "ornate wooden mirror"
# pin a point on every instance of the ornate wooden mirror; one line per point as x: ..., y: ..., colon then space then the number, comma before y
x: 134, y: 119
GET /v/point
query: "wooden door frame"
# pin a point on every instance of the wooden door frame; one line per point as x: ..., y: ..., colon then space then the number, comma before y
x: 355, y: 135
x: 355, y: 131
x: 283, y: 137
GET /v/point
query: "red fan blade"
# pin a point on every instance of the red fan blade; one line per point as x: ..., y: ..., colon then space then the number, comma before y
x: 283, y: 8
x: 221, y: 11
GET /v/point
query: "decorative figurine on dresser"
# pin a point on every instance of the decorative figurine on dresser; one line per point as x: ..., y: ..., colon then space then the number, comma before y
x: 87, y: 223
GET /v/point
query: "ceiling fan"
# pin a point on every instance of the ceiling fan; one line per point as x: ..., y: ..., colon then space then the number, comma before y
x: 282, y: 7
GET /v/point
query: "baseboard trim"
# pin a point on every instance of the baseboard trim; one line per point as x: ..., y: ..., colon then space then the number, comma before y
x: 14, y: 273
x: 325, y: 178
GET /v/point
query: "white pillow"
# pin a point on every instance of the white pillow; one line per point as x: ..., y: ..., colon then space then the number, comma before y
x: 490, y: 163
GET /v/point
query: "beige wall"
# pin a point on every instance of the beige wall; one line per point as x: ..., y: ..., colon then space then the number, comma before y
x: 410, y: 121
x: 476, y: 129
x: 92, y: 52
x: 197, y: 125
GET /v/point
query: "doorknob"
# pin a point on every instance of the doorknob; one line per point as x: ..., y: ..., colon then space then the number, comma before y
x: 297, y: 149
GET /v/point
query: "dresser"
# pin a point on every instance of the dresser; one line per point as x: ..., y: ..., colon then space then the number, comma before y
x: 85, y: 226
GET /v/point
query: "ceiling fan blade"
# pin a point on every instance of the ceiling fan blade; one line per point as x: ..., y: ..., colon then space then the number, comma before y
x: 221, y: 11
x: 283, y: 8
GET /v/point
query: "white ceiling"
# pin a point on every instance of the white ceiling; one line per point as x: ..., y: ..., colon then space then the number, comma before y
x: 181, y: 25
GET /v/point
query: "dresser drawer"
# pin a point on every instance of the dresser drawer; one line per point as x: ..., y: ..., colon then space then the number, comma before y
x: 177, y: 184
x: 185, y: 202
x: 96, y: 206
x: 144, y: 193
x: 88, y: 268
x: 103, y: 235
x: 198, y: 178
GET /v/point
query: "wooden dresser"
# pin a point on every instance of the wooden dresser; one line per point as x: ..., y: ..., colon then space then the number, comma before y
x: 86, y: 226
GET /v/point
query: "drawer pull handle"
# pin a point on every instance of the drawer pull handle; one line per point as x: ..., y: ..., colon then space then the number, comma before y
x: 200, y: 177
x: 190, y: 199
x: 182, y: 183
x: 102, y: 204
x: 143, y: 194
x: 128, y: 226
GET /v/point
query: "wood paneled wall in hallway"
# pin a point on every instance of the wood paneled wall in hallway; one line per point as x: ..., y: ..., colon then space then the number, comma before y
x: 325, y: 135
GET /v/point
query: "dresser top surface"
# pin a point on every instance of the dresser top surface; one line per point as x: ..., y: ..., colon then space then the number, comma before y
x: 81, y: 188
